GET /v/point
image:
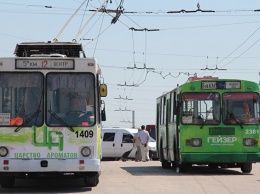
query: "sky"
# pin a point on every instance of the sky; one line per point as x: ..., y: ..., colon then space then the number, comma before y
x: 146, y: 51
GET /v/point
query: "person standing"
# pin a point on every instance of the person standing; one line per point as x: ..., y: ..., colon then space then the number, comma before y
x: 137, y: 144
x: 144, y: 139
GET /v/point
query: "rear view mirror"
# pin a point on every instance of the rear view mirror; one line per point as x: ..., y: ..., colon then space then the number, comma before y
x: 103, y: 111
x: 103, y: 90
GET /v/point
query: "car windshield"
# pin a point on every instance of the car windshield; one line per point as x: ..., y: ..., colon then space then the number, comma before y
x: 151, y: 139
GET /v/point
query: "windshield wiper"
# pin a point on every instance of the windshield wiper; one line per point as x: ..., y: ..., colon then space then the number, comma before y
x: 230, y: 116
x: 203, y: 123
x: 61, y: 120
x: 239, y: 123
x: 32, y: 117
x: 28, y: 120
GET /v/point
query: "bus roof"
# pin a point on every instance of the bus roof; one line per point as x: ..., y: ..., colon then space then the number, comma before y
x: 70, y: 49
x: 190, y: 79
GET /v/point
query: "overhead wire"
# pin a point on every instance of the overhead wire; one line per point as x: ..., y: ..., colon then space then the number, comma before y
x: 98, y: 36
x: 239, y: 46
x: 229, y: 11
x: 241, y: 53
x: 83, y: 16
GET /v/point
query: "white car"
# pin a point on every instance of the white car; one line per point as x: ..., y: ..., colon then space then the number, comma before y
x: 117, y: 141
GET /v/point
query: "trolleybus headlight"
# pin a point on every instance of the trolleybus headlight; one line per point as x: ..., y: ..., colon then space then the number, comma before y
x: 196, y: 142
x: 248, y: 141
x: 3, y: 151
x: 85, y: 151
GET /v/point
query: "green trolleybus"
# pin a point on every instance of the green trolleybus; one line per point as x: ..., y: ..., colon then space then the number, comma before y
x: 50, y: 113
x: 209, y: 121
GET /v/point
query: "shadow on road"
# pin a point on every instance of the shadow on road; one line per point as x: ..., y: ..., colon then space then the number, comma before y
x: 50, y: 185
x: 194, y: 170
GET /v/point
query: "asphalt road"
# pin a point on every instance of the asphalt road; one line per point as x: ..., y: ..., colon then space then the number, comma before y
x: 119, y: 177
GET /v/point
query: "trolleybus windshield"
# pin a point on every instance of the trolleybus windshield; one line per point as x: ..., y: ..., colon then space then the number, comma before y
x: 21, y: 99
x: 200, y: 108
x: 240, y: 108
x: 70, y: 99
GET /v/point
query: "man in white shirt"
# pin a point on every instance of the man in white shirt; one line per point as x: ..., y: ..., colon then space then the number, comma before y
x: 144, y: 139
x: 137, y: 144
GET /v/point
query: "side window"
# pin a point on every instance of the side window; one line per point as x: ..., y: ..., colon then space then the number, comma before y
x: 109, y: 137
x: 127, y: 138
x: 163, y: 110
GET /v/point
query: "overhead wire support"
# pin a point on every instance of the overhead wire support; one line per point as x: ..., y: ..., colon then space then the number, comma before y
x: 133, y: 85
x: 216, y: 68
x: 191, y: 11
x: 135, y: 67
x: 117, y: 11
x: 205, y: 68
x: 143, y: 29
x: 123, y: 98
x: 115, y: 19
x: 122, y: 109
x: 126, y: 121
x: 120, y: 9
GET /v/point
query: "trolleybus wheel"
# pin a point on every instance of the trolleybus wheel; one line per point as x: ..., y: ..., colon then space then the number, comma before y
x: 213, y: 165
x: 180, y: 168
x: 7, y: 181
x: 246, y: 167
x: 175, y: 162
x: 92, y: 180
x: 165, y: 163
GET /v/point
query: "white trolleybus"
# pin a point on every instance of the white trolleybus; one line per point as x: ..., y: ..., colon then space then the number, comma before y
x: 50, y: 113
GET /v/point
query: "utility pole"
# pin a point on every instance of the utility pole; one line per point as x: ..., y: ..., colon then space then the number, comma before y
x: 133, y: 119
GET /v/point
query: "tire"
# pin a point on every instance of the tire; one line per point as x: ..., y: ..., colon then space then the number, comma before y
x: 7, y: 181
x: 92, y: 181
x: 181, y: 168
x: 165, y: 164
x: 246, y: 167
x: 175, y: 162
x: 213, y: 165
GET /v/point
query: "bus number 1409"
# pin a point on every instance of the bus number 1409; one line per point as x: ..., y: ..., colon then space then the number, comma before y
x: 84, y: 134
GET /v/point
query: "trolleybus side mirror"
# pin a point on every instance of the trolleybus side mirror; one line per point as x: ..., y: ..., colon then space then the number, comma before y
x: 103, y: 90
x: 103, y: 111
